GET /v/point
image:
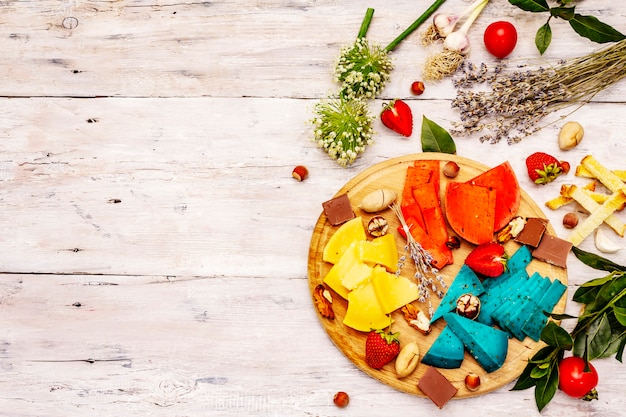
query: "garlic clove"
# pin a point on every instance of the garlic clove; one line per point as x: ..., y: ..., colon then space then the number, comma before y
x: 444, y: 23
x: 457, y: 41
x: 604, y: 244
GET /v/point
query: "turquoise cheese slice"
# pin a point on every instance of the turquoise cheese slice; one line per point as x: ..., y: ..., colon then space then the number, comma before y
x: 447, y: 351
x: 537, y: 321
x: 496, y: 296
x: 465, y: 282
x: 488, y: 345
x: 517, y: 319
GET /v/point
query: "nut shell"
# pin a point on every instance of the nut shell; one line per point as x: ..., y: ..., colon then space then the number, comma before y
x: 407, y: 360
x: 472, y: 382
x: 378, y: 200
x: 300, y: 173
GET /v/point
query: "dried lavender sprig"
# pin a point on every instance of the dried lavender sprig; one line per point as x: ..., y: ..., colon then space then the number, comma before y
x: 516, y: 102
x: 426, y: 275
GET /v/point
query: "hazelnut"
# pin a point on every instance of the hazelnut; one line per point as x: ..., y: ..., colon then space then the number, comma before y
x: 417, y: 88
x: 468, y: 305
x: 300, y: 173
x: 377, y: 226
x: 570, y: 135
x: 565, y: 167
x: 472, y: 382
x: 451, y: 169
x: 341, y: 399
x: 570, y: 220
x: 453, y: 242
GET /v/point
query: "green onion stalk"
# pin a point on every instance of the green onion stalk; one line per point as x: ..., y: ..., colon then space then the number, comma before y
x: 343, y: 124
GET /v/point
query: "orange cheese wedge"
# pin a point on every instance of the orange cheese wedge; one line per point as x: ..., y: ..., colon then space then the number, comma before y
x: 470, y: 210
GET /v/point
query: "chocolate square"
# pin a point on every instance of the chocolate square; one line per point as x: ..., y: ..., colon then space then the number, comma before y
x: 436, y: 387
x: 532, y: 232
x: 338, y: 210
x: 553, y: 250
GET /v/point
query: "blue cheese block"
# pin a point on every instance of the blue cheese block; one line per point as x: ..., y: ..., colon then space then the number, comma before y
x: 494, y: 298
x: 537, y: 321
x: 465, y: 282
x: 447, y: 351
x: 488, y: 345
x: 516, y: 320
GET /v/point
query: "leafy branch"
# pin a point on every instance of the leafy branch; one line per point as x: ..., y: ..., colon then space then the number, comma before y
x: 586, y: 26
x: 600, y: 331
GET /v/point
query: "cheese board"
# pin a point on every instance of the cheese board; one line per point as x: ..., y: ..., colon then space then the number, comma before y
x: 390, y: 174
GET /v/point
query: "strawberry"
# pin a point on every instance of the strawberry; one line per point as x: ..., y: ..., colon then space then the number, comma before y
x: 543, y: 168
x: 488, y: 259
x: 397, y: 116
x: 381, y: 347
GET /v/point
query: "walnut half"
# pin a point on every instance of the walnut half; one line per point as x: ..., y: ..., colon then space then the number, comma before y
x: 323, y: 302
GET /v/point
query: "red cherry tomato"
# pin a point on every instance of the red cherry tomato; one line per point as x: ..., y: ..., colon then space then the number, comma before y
x: 573, y: 380
x: 500, y: 38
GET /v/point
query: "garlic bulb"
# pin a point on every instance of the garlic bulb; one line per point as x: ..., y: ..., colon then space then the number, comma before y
x: 604, y: 244
x: 444, y: 23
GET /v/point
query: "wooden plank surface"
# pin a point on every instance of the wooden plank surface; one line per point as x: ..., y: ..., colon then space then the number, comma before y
x: 153, y: 246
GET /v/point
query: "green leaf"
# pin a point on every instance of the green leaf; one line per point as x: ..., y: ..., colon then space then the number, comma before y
x: 620, y: 314
x: 588, y: 292
x: 525, y: 380
x: 539, y: 372
x: 531, y: 5
x: 556, y: 336
x: 593, y: 29
x: 596, y: 261
x: 543, y: 38
x: 546, y: 387
x: 435, y: 138
x: 612, y: 345
x: 566, y: 13
x: 545, y: 355
x: 609, y: 293
x: 599, y: 337
x: 560, y: 316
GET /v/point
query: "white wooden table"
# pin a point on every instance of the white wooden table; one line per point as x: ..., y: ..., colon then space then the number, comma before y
x: 153, y: 243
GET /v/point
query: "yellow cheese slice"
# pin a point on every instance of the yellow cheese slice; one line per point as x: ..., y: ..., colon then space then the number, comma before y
x: 380, y: 251
x: 364, y: 313
x: 393, y: 291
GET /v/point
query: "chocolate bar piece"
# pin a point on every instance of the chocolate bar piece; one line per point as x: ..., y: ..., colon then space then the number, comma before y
x: 532, y: 232
x: 436, y: 387
x: 553, y: 250
x: 338, y: 210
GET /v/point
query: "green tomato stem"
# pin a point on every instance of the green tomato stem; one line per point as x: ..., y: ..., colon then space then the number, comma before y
x: 433, y: 7
x: 366, y: 23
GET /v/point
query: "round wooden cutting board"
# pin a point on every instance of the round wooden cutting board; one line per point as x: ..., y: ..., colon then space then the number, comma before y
x: 390, y: 175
